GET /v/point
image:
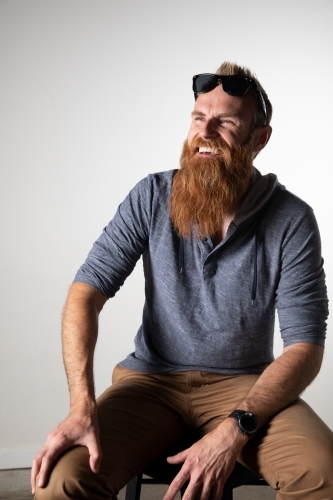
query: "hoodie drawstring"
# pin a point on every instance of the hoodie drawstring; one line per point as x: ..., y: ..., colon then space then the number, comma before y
x: 181, y: 254
x: 255, y: 272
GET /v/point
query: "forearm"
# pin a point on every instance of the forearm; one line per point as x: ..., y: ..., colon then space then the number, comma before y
x: 283, y: 381
x: 79, y: 335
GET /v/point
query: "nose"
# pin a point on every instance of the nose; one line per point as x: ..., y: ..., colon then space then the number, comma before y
x: 209, y: 129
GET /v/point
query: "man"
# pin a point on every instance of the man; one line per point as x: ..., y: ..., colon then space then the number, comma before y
x: 222, y: 246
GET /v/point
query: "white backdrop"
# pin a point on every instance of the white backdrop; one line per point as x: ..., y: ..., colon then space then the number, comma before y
x: 96, y: 94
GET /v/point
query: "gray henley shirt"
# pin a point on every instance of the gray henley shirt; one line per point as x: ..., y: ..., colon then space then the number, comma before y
x: 213, y: 308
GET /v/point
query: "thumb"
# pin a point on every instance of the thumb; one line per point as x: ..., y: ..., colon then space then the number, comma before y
x: 95, y: 455
x: 179, y: 458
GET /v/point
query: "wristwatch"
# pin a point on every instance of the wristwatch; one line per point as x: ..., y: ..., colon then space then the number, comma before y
x: 246, y: 422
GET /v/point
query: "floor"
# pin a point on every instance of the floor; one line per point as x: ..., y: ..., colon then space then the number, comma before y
x: 14, y: 484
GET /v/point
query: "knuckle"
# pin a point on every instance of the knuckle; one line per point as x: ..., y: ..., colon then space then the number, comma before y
x: 36, y: 460
x: 198, y: 475
x: 209, y: 483
x: 51, y: 435
x: 188, y: 495
x: 44, y: 463
x: 176, y: 483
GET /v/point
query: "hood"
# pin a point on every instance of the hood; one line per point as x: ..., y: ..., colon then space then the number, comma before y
x: 262, y: 187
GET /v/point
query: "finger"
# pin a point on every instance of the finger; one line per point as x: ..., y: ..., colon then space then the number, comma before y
x: 218, y: 491
x: 179, y: 458
x: 94, y: 450
x: 34, y: 471
x: 193, y: 491
x: 41, y: 465
x: 45, y: 468
x: 176, y: 485
x: 211, y: 489
x: 206, y: 492
x: 47, y: 460
x: 95, y: 459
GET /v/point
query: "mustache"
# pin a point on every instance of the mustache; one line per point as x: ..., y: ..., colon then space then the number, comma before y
x: 218, y: 144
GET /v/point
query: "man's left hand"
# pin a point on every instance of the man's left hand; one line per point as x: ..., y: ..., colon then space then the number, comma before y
x: 208, y: 463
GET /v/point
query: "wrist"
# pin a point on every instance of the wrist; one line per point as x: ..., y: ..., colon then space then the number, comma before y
x: 229, y: 430
x: 83, y: 406
x: 246, y: 422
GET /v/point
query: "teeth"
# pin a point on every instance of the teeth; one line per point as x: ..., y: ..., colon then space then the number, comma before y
x: 207, y: 150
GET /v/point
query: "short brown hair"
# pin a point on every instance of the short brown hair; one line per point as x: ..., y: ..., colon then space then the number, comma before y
x: 227, y: 69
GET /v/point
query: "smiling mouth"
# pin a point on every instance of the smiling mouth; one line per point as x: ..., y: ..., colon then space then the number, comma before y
x: 208, y: 151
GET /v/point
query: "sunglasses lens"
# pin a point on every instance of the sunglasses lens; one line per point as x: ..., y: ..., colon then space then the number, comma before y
x: 204, y: 83
x: 233, y: 85
x: 236, y: 85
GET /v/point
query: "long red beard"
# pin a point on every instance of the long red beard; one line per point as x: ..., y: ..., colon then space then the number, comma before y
x: 205, y: 190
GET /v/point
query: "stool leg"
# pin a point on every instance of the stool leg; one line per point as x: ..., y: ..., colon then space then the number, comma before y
x: 133, y: 488
x: 227, y: 495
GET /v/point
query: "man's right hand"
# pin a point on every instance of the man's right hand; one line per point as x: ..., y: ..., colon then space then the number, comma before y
x: 77, y: 429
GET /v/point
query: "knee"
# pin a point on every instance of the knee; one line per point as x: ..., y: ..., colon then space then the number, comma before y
x: 319, y: 471
x: 313, y: 474
x: 71, y: 477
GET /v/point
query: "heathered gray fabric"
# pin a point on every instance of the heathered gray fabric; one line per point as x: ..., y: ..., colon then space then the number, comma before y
x: 204, y: 318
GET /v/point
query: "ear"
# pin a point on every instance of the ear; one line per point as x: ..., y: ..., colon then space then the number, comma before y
x: 261, y: 138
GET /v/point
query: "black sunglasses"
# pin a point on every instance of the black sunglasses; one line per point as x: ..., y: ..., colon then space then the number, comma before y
x: 232, y: 85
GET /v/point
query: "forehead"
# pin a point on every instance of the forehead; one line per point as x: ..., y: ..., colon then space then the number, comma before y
x: 217, y: 102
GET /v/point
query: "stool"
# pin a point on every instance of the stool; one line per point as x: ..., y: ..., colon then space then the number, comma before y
x: 161, y: 472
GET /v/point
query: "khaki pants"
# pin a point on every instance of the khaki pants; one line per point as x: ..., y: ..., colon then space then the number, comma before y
x: 142, y: 414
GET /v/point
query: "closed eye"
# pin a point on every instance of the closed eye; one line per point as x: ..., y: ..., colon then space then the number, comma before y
x: 231, y: 119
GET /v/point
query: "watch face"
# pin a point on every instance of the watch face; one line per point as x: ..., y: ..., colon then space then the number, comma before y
x: 248, y: 422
